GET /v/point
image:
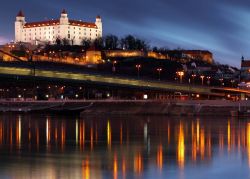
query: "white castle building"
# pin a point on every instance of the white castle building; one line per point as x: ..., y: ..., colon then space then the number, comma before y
x: 48, y: 31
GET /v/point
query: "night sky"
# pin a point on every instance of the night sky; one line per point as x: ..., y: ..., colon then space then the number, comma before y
x: 221, y: 26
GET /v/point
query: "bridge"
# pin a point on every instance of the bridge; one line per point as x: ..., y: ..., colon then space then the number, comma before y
x: 13, y: 70
x: 31, y: 71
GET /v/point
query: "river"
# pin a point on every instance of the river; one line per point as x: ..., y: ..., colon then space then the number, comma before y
x: 66, y: 146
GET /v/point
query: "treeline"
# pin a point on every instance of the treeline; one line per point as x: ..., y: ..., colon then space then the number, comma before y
x: 109, y: 42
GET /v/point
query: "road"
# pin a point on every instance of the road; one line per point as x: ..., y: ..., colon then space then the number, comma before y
x: 113, y: 80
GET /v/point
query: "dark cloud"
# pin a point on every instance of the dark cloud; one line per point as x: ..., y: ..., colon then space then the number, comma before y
x: 220, y: 26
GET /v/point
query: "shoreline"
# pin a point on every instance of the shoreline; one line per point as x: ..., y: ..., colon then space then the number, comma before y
x: 129, y: 107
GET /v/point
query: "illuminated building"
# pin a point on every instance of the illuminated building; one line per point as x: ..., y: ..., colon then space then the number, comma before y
x: 48, y: 31
x: 245, y: 70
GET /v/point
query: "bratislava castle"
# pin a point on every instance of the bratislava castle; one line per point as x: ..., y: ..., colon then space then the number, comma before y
x: 48, y: 31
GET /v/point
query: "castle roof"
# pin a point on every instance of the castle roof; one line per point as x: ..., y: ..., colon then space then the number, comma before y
x: 84, y: 24
x: 64, y: 11
x: 20, y: 14
x: 98, y: 17
x: 57, y: 22
x: 42, y: 23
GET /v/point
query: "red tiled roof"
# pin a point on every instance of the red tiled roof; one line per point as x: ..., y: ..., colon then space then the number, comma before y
x: 56, y: 22
x: 42, y: 23
x: 20, y: 14
x: 80, y: 23
x: 245, y: 63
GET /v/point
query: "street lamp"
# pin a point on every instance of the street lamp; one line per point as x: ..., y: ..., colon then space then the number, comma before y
x: 193, y: 77
x: 208, y: 80
x: 221, y: 81
x: 138, y: 66
x: 181, y: 74
x: 202, y: 79
x: 159, y: 72
x: 113, y: 67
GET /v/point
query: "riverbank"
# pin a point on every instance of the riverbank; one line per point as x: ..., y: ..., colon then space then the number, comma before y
x: 129, y: 107
x: 171, y: 108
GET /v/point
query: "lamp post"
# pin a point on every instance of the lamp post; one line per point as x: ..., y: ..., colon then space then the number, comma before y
x: 138, y: 66
x: 193, y: 77
x: 221, y: 81
x: 181, y: 74
x: 202, y: 79
x: 208, y: 80
x: 113, y: 67
x: 159, y: 72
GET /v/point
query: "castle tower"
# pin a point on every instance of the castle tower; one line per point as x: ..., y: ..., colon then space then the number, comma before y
x: 98, y: 23
x: 64, y: 20
x: 64, y: 23
x: 19, y: 23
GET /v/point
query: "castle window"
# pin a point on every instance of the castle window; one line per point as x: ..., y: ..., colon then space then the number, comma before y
x: 69, y: 36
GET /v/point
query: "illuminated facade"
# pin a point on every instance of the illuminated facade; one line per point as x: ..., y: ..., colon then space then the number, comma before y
x: 64, y: 28
x: 245, y: 69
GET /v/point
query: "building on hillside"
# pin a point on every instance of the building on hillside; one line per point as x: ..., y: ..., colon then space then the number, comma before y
x: 245, y: 70
x: 64, y: 28
x: 189, y: 55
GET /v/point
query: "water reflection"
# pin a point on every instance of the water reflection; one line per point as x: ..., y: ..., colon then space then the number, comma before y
x: 118, y: 147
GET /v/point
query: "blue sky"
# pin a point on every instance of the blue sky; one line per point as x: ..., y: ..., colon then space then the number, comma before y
x: 219, y: 26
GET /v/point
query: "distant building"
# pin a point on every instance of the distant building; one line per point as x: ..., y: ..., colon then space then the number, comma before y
x: 48, y: 31
x: 188, y: 55
x: 245, y: 70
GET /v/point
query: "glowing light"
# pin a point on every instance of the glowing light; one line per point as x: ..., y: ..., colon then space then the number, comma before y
x: 138, y: 163
x: 228, y: 136
x: 77, y: 132
x: 115, y: 167
x: 248, y: 143
x: 194, y: 146
x: 181, y: 147
x: 159, y: 157
x: 63, y: 134
x: 18, y: 131
x: 202, y: 144
x: 82, y: 134
x: 109, y: 134
x: 85, y: 169
x: 123, y: 167
x: 47, y: 131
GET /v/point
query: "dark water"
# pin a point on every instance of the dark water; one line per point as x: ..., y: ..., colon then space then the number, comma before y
x: 56, y: 146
